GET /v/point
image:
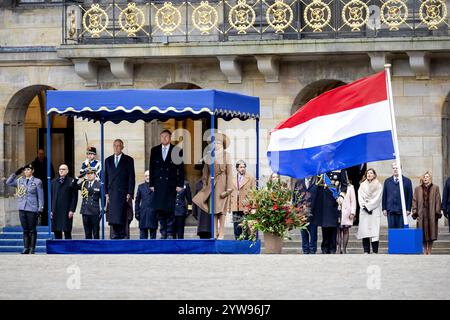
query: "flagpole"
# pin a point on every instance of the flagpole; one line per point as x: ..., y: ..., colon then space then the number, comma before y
x: 395, y: 140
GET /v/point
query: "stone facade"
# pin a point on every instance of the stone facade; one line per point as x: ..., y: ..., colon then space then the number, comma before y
x: 281, y: 73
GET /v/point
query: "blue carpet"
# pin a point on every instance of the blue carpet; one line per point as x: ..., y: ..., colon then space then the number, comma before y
x: 152, y: 247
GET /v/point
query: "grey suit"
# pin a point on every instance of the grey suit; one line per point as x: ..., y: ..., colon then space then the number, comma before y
x: 30, y: 203
x: 33, y: 199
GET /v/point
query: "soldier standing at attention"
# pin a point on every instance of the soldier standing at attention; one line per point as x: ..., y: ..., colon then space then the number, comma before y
x: 30, y: 192
x: 90, y: 205
x: 91, y: 162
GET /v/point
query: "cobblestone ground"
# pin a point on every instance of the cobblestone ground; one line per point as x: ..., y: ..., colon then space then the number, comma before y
x: 224, y: 277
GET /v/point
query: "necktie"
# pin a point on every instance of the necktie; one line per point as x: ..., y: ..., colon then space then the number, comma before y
x: 27, y: 181
x: 164, y: 153
x: 117, y: 161
x: 90, y: 185
x: 396, y: 180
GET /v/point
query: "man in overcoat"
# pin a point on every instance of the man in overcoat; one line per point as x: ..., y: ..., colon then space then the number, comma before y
x: 119, y: 189
x: 143, y: 209
x: 391, y: 203
x: 166, y: 179
x: 331, y: 191
x: 64, y: 203
x: 305, y: 196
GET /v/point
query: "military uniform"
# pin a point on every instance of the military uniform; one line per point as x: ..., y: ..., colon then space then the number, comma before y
x: 183, y: 199
x: 91, y: 164
x: 90, y: 207
x: 331, y: 188
x: 30, y: 194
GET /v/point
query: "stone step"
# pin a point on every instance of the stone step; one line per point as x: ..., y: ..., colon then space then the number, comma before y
x: 19, y: 235
x: 18, y: 242
x: 354, y: 251
x: 18, y: 249
x: 19, y: 229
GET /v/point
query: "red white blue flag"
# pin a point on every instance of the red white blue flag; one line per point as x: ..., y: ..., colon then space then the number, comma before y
x: 343, y: 127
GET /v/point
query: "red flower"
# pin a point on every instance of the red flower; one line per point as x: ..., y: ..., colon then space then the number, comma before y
x: 275, y: 207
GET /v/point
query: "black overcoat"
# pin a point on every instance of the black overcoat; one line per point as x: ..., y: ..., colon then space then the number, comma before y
x: 184, y: 198
x: 64, y: 199
x: 165, y: 177
x: 143, y: 208
x: 119, y: 182
x: 325, y: 212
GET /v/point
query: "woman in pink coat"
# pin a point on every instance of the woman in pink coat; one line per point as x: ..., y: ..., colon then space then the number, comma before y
x: 348, y: 213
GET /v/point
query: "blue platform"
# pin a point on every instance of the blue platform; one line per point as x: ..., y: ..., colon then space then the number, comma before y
x: 153, y: 247
x: 405, y: 241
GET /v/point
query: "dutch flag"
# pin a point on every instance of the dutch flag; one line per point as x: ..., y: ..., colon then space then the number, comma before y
x: 343, y: 127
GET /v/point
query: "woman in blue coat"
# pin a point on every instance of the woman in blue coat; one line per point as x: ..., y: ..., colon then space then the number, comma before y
x: 143, y: 208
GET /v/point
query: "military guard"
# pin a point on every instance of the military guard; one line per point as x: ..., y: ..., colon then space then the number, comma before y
x: 90, y: 205
x: 91, y: 163
x: 330, y: 194
x: 30, y: 193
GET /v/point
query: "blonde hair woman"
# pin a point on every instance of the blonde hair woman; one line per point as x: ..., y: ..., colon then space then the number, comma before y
x: 427, y: 210
x: 369, y: 197
x: 223, y: 184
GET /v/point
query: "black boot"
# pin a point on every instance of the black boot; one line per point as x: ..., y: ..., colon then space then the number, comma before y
x: 33, y: 243
x: 26, y: 243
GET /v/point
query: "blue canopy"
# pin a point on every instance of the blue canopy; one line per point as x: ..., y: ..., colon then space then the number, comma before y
x: 133, y: 105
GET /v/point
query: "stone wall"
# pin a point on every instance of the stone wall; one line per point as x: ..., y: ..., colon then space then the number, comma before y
x: 418, y: 106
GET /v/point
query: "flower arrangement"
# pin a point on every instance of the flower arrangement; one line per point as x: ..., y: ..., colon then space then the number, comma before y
x: 271, y: 209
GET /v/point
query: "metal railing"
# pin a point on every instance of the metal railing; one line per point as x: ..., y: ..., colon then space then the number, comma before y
x: 104, y: 22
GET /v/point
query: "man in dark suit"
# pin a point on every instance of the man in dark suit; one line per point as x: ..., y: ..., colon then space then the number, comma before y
x: 166, y: 179
x: 64, y: 203
x: 391, y: 203
x: 40, y: 171
x: 305, y: 196
x: 330, y: 194
x: 119, y: 189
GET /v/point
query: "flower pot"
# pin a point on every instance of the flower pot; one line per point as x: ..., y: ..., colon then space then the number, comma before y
x: 272, y: 243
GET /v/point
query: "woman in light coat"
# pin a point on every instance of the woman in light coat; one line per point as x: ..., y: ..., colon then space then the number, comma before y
x: 427, y: 210
x: 348, y: 213
x: 369, y: 197
x: 223, y: 185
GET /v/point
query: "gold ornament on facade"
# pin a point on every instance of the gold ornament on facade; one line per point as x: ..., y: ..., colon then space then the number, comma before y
x: 317, y: 15
x: 394, y: 13
x: 168, y: 18
x: 242, y: 16
x: 432, y: 13
x: 72, y: 25
x: 279, y: 16
x: 95, y: 20
x: 131, y: 19
x: 205, y: 17
x: 355, y: 14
